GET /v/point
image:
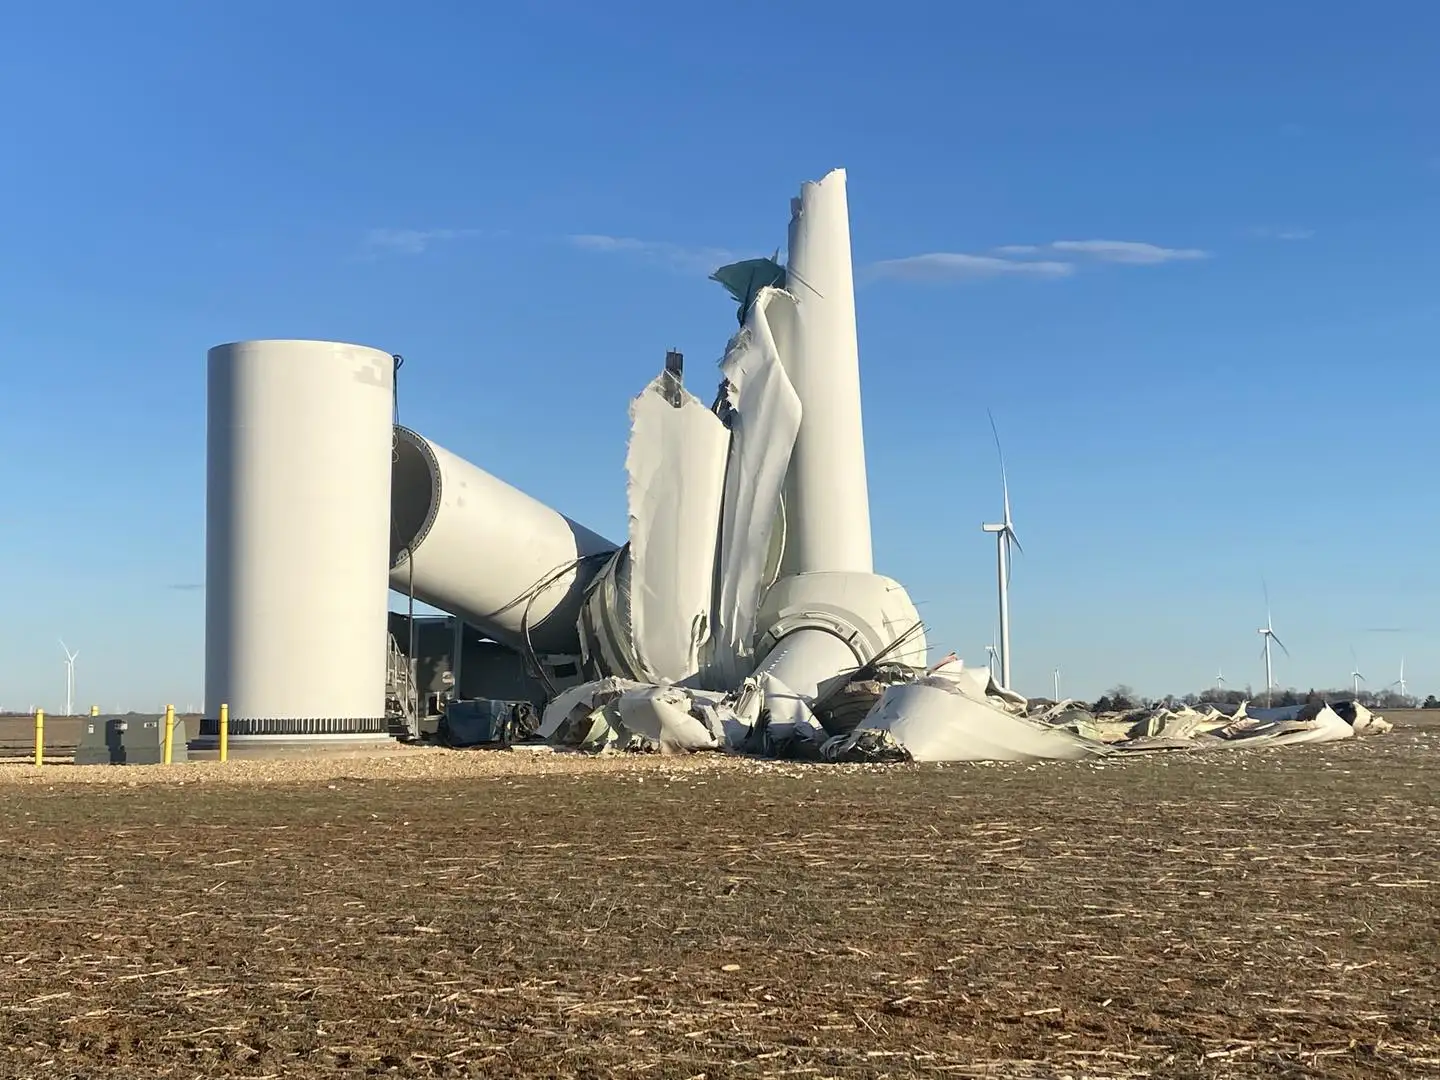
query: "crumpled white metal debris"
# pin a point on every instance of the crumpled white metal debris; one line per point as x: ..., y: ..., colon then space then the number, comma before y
x: 620, y: 714
x: 763, y: 413
x: 677, y: 476
x: 678, y: 603
x: 1362, y: 720
x: 948, y: 715
x: 1207, y: 727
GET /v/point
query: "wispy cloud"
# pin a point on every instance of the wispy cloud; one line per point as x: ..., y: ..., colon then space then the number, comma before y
x: 188, y: 586
x: 675, y: 257
x: 411, y: 241
x: 958, y: 266
x: 1271, y: 232
x: 1036, y: 261
x: 1132, y: 252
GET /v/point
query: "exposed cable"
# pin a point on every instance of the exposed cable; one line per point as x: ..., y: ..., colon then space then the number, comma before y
x: 395, y: 383
x: 529, y: 598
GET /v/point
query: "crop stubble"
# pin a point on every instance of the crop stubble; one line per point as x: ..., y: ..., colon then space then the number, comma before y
x: 1240, y: 914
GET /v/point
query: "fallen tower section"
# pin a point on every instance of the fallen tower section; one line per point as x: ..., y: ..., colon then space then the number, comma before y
x: 470, y: 544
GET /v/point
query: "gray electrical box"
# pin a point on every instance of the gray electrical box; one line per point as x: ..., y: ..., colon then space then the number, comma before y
x: 129, y: 740
x: 143, y: 741
x: 99, y: 741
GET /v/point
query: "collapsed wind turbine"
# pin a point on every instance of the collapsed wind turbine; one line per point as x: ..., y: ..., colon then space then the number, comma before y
x: 1004, y: 537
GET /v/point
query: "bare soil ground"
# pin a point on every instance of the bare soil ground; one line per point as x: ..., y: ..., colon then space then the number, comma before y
x: 1256, y: 913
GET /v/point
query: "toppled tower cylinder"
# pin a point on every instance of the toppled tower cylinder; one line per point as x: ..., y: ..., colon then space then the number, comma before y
x: 470, y: 544
x: 297, y: 538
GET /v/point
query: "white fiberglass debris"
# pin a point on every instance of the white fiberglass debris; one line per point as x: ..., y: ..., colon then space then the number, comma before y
x: 584, y: 717
x: 764, y: 418
x: 662, y: 714
x: 933, y: 719
x: 1362, y: 720
x: 620, y: 714
x: 676, y: 464
x: 1207, y: 728
x: 790, y: 715
x: 1307, y: 724
x: 977, y: 683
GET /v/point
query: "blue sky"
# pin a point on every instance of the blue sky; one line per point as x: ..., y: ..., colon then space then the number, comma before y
x: 1252, y: 395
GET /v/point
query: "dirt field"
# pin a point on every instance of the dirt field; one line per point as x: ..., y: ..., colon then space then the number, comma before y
x: 472, y: 914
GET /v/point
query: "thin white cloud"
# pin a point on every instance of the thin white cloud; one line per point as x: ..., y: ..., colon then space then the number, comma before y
x: 958, y: 266
x: 1271, y: 232
x: 676, y: 257
x: 411, y: 241
x: 1132, y: 252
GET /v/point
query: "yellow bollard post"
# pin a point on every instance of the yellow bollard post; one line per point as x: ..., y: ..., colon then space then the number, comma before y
x: 94, y: 710
x: 39, y: 737
x: 169, y: 732
x: 224, y: 732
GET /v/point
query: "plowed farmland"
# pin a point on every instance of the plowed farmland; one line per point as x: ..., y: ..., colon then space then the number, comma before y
x: 1262, y: 913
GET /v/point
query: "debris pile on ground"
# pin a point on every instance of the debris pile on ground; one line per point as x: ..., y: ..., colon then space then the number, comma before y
x: 947, y: 713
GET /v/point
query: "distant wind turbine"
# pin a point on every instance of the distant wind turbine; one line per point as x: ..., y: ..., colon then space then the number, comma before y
x: 990, y: 654
x: 1400, y: 682
x: 1268, y: 633
x: 69, y: 679
x: 1057, y: 684
x: 1004, y: 537
x: 1355, y: 677
x: 1219, y: 680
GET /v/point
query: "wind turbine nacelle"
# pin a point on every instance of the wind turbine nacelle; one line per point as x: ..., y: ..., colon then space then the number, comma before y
x: 868, y: 612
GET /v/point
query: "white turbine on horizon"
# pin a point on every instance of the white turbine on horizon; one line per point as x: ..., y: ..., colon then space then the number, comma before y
x: 1400, y: 682
x: 69, y: 679
x: 1004, y: 537
x: 1057, y: 685
x: 990, y: 654
x: 1355, y: 677
x: 1268, y: 633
